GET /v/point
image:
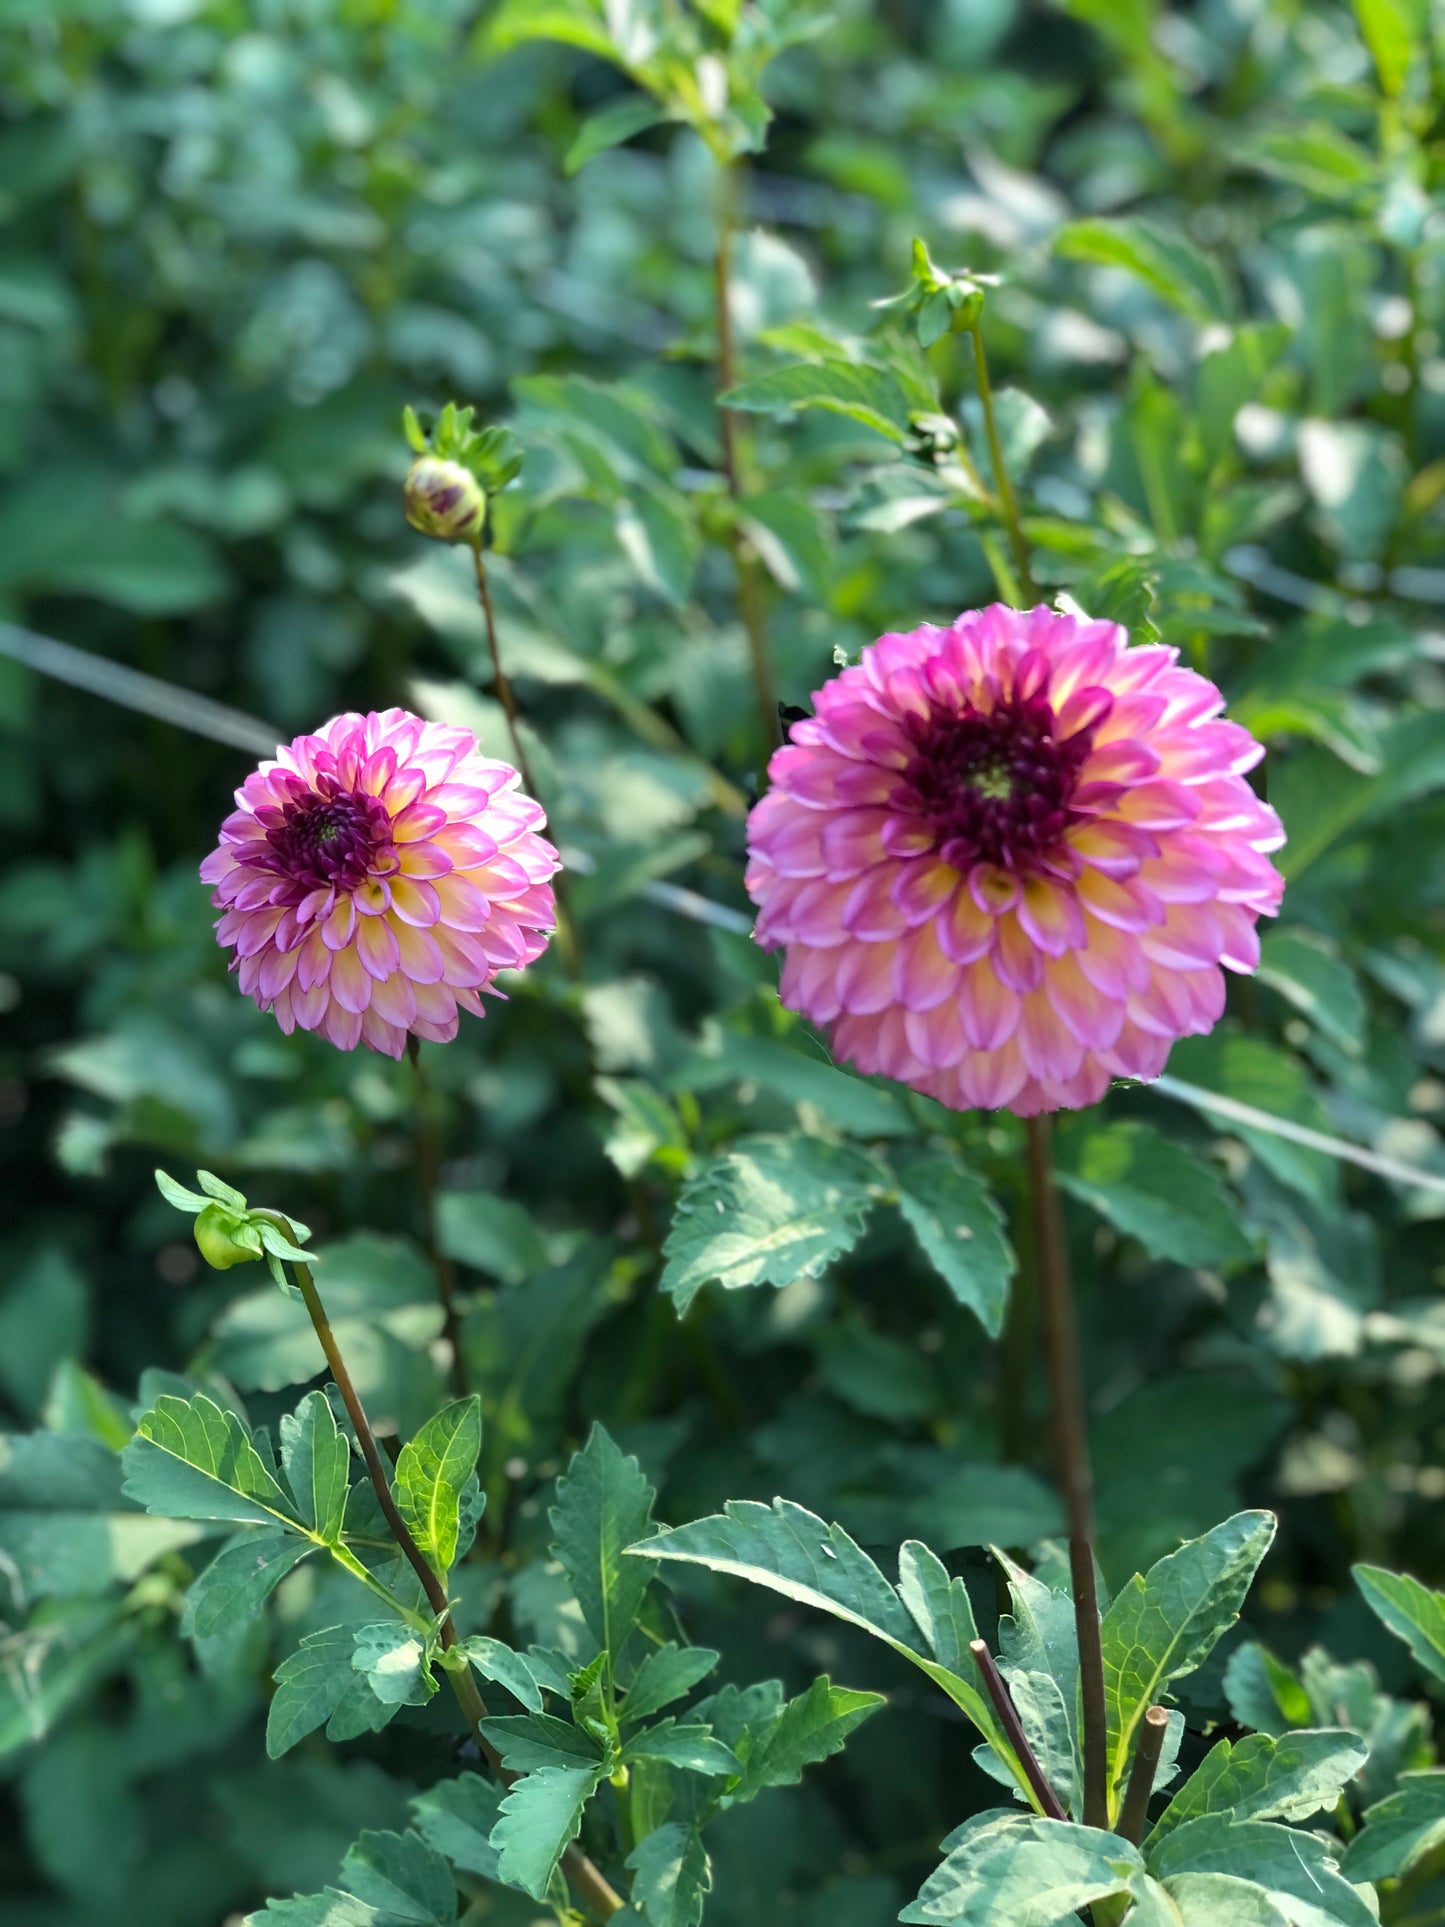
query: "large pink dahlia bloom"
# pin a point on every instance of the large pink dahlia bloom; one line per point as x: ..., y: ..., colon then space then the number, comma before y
x: 1006, y: 859
x: 377, y: 876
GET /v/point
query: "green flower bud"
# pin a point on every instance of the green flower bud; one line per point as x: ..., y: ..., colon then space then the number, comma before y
x: 224, y: 1237
x: 444, y: 500
x: 966, y: 314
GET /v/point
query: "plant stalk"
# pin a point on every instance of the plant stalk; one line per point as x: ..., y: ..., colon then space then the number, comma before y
x: 1008, y: 501
x: 428, y: 1165
x: 750, y: 588
x: 1049, y: 1802
x: 1135, y: 1810
x: 566, y: 930
x: 600, y: 1897
x: 1071, y: 1454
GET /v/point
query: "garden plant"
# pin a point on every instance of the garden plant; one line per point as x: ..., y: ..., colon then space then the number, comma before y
x: 723, y: 957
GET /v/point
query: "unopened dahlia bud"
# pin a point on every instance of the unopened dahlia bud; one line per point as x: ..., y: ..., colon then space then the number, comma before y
x: 225, y: 1238
x: 444, y: 500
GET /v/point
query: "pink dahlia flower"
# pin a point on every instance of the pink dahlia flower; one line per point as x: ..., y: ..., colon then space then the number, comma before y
x: 1006, y: 859
x: 377, y: 876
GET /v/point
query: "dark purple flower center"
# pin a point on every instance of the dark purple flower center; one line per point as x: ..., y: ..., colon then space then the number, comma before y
x: 996, y: 785
x: 328, y: 840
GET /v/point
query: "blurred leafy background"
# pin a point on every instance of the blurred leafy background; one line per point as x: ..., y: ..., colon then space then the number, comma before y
x: 234, y: 241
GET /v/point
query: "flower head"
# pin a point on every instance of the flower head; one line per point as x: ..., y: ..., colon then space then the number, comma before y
x: 1006, y: 859
x: 376, y: 876
x: 444, y: 500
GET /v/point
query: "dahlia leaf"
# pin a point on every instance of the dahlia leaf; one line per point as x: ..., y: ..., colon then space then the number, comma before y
x: 1163, y: 260
x: 810, y: 1728
x: 610, y: 127
x: 665, y: 1675
x: 404, y: 1877
x: 1166, y: 1622
x: 871, y: 396
x: 959, y: 1228
x: 689, y: 1744
x: 530, y: 1741
x: 1016, y: 1870
x: 392, y: 1659
x: 457, y: 1817
x: 1400, y: 1831
x: 1410, y: 1611
x: 1263, y: 1778
x: 191, y: 1460
x: 432, y: 1475
x: 498, y: 1662
x: 672, y: 1876
x: 178, y: 1195
x: 540, y: 1817
x: 318, y: 1686
x: 604, y: 1505
x: 1152, y: 1189
x: 791, y: 1551
x: 1292, y: 1865
x: 240, y: 1579
x: 1203, y: 1900
x: 317, y: 1460
x: 769, y: 1211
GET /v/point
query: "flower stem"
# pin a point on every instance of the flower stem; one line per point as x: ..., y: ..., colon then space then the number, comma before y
x: 600, y: 1897
x: 750, y: 597
x: 1008, y: 501
x: 566, y: 930
x: 1135, y: 1810
x: 1049, y: 1802
x: 1071, y: 1454
x: 428, y: 1163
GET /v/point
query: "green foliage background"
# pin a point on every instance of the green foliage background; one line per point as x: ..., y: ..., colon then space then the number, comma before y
x: 234, y: 241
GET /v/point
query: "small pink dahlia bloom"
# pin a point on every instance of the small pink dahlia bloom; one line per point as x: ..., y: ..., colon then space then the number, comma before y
x: 1006, y: 859
x: 376, y: 876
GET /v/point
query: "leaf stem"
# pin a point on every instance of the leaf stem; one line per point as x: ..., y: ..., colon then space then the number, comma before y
x: 1008, y: 501
x: 1135, y: 1810
x: 428, y: 1162
x: 750, y: 600
x: 1071, y: 1453
x: 1049, y: 1802
x: 600, y: 1897
x: 566, y: 930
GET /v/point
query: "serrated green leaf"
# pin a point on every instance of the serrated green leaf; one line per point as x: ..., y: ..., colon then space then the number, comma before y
x: 498, y: 1662
x: 431, y: 1475
x: 1204, y: 1900
x: 528, y: 1741
x: 689, y: 1745
x: 959, y: 1228
x: 1152, y: 1189
x: 939, y: 1606
x: 1262, y: 1692
x: 868, y: 395
x: 1012, y: 1870
x: 317, y: 1686
x: 604, y: 1504
x: 317, y: 1462
x: 540, y: 1817
x: 191, y: 1460
x: 240, y: 1579
x: 610, y: 127
x: 665, y: 1675
x: 1263, y: 1778
x: 1399, y: 1831
x: 812, y: 1727
x: 457, y: 1817
x: 399, y: 1874
x: 790, y: 1550
x: 1293, y: 1867
x: 392, y: 1659
x: 672, y: 1876
x: 1165, y: 1622
x: 1412, y: 1612
x: 769, y: 1211
x: 1161, y: 258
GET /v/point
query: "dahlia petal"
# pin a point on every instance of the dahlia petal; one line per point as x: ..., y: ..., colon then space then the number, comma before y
x: 466, y: 845
x: 350, y: 985
x: 993, y: 1078
x: 420, y: 821
x: 1240, y: 947
x: 1049, y: 915
x: 378, y: 1035
x: 1112, y: 960
x: 1111, y: 846
x: 461, y: 903
x: 921, y: 889
x: 341, y: 1026
x: 313, y: 965
x: 1122, y: 761
x: 964, y: 930
x: 870, y: 912
x: 1092, y: 1016
x: 936, y: 1037
x: 852, y: 840
x: 1159, y: 805
x: 394, y: 999
x: 994, y: 890
x: 420, y: 956
x: 1050, y: 1049
x: 864, y: 977
x: 373, y: 897
x: 1129, y: 905
x: 987, y: 1008
x: 1191, y: 934
x: 336, y: 928
x: 421, y: 861
x: 1015, y: 956
x: 923, y: 973
x: 309, y: 1004
x: 435, y: 1004
x: 277, y: 969
x: 376, y: 947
